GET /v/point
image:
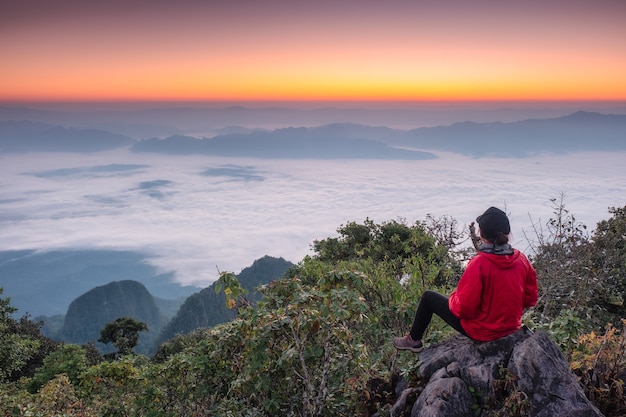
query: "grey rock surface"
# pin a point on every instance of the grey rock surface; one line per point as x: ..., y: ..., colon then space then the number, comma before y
x: 465, y: 378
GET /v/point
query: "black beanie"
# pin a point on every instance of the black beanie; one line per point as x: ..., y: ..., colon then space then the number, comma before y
x: 492, y: 222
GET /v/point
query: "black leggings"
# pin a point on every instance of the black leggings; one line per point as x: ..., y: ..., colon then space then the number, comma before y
x: 433, y: 302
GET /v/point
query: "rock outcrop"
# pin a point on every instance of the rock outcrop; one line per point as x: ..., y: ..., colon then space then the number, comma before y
x: 521, y: 374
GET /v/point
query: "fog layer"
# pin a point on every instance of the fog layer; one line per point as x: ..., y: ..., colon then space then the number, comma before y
x: 197, y: 215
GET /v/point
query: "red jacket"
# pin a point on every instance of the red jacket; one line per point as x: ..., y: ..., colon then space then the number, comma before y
x: 492, y: 294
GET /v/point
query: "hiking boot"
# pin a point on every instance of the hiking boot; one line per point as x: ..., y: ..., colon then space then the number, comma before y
x: 407, y: 343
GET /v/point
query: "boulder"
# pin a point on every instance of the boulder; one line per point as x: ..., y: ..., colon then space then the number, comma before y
x: 543, y: 374
x: 523, y: 371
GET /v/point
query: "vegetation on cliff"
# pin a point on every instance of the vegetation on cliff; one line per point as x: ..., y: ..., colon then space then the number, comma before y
x: 208, y: 308
x: 321, y: 333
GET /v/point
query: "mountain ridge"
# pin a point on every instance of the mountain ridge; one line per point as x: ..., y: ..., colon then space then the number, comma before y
x: 578, y: 131
x: 23, y: 136
x: 284, y: 143
x: 145, y: 120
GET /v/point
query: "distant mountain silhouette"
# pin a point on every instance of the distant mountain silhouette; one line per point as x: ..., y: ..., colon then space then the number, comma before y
x: 89, y: 313
x: 146, y: 120
x: 580, y: 131
x: 206, y: 308
x: 27, y: 136
x: 327, y: 142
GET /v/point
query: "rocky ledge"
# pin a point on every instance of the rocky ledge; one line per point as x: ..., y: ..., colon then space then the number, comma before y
x: 523, y: 374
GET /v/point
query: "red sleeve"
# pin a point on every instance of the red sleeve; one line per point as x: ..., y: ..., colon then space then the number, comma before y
x: 464, y: 303
x: 531, y: 292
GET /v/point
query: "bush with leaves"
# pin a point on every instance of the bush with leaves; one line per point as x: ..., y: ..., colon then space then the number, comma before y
x: 561, y: 257
x: 300, y: 351
x: 28, y: 328
x: 600, y: 364
x: 15, y: 399
x: 234, y: 292
x: 392, y: 243
x: 580, y: 277
x: 297, y: 353
x: 69, y: 359
x: 113, y: 387
x: 609, y: 260
x: 58, y: 398
x: 16, y: 349
x: 401, y: 262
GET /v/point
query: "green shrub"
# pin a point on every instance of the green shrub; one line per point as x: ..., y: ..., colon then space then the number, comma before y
x: 69, y: 359
x: 600, y: 364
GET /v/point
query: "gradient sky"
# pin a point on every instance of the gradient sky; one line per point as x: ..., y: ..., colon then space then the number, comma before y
x: 312, y: 50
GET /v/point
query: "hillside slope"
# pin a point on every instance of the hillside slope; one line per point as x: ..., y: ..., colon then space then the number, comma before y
x: 206, y: 308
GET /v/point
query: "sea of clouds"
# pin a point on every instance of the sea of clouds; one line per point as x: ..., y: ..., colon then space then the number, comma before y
x: 197, y: 215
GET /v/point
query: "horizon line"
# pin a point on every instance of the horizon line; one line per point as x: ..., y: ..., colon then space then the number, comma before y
x: 315, y: 103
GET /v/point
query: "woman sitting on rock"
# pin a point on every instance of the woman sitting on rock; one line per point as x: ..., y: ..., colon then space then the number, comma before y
x: 497, y: 285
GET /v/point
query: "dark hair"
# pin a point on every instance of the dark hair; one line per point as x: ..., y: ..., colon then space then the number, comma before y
x: 501, y: 239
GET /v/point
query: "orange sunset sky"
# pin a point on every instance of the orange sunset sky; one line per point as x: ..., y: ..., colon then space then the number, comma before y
x: 74, y: 50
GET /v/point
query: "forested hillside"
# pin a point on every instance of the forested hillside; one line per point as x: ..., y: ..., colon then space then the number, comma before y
x: 208, y: 308
x: 88, y: 313
x: 318, y: 343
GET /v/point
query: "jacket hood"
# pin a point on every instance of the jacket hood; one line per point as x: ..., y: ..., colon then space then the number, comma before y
x: 502, y: 261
